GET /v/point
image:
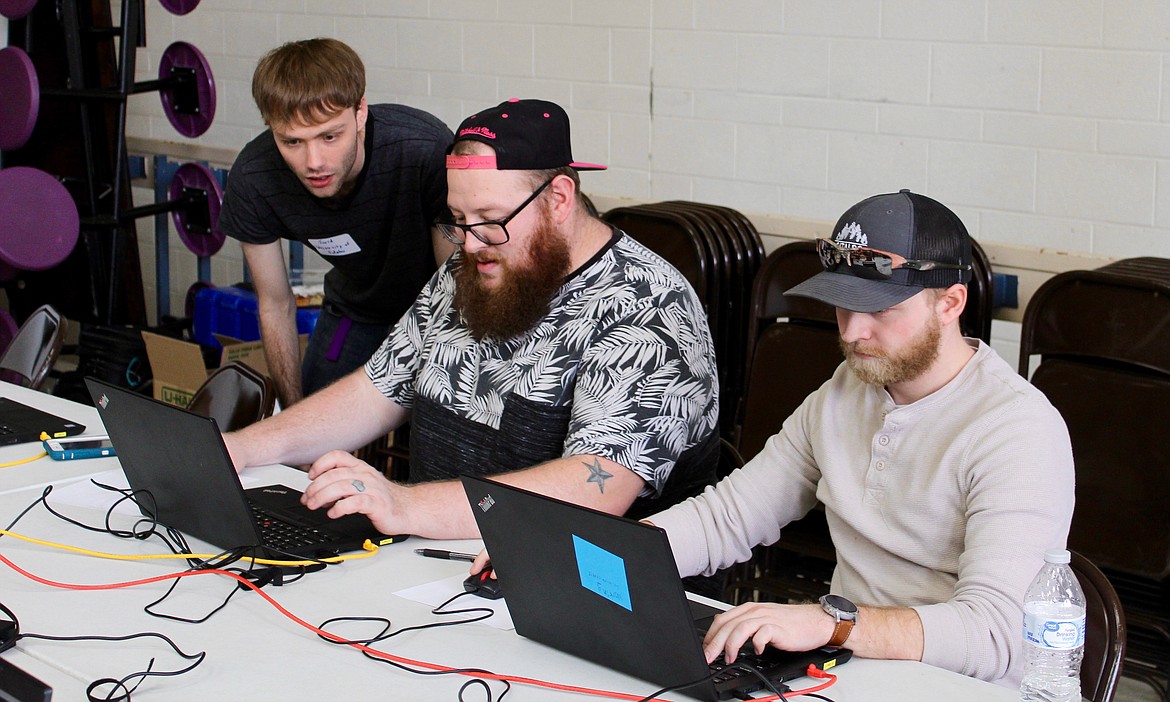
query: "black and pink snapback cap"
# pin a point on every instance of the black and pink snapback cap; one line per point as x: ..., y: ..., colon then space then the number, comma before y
x: 527, y: 135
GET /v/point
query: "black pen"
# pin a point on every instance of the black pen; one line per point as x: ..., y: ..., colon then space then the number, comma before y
x: 448, y: 555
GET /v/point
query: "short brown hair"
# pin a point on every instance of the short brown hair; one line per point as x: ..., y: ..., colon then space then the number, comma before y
x: 309, y: 81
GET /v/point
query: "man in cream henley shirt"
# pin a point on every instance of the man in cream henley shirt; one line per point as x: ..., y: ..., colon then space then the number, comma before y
x: 944, y: 474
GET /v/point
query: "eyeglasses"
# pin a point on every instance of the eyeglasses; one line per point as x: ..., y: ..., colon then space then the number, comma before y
x: 865, y: 260
x: 492, y: 232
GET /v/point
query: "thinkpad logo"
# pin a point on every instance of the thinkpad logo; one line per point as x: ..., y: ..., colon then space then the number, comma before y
x: 486, y: 503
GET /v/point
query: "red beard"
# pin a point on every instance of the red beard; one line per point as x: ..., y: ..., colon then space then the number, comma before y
x: 527, y: 282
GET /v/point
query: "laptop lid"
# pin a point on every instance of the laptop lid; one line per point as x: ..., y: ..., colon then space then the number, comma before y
x: 21, y: 424
x: 179, y: 459
x: 16, y: 685
x: 603, y: 588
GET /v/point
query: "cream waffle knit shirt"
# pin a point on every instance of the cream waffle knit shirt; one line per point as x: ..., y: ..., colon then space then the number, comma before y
x: 945, y: 505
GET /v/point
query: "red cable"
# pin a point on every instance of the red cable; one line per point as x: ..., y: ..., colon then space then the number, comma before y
x: 814, y: 672
x: 362, y: 647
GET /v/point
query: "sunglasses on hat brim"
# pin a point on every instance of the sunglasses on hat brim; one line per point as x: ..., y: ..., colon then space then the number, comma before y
x: 875, y: 263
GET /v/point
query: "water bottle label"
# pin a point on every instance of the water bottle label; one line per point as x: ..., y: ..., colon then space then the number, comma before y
x: 1054, y: 634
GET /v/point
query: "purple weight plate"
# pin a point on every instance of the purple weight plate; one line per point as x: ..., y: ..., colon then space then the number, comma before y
x: 22, y: 98
x: 197, y: 229
x: 7, y: 272
x: 179, y: 7
x: 15, y: 9
x: 40, y: 219
x: 189, y: 117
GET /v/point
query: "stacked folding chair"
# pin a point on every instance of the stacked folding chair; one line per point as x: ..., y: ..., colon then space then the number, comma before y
x: 1103, y: 341
x: 718, y: 251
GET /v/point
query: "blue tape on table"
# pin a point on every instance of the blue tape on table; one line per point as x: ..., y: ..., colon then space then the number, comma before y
x: 602, y: 572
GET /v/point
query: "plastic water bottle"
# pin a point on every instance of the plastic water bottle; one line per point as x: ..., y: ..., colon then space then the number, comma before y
x: 1054, y: 633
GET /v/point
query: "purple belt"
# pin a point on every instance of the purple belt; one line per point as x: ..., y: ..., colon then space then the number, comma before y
x: 338, y: 341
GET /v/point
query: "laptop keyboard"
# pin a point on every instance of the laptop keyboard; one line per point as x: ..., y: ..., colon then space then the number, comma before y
x: 284, y: 536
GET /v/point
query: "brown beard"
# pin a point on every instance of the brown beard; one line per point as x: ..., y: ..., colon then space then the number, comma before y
x: 525, y: 289
x: 918, y: 357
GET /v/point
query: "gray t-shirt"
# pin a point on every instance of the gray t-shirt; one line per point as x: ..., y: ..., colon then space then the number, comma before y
x: 377, y: 238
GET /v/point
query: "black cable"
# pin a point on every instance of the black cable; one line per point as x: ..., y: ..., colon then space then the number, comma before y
x: 172, y: 539
x: 451, y: 671
x: 387, y: 634
x: 487, y: 688
x: 177, y: 544
x: 813, y: 694
x: 141, y: 676
x: 260, y: 576
x: 10, y: 614
x: 42, y: 499
x: 148, y: 525
x: 149, y: 608
x: 122, y: 684
x: 144, y: 528
x: 10, y: 630
x: 28, y: 509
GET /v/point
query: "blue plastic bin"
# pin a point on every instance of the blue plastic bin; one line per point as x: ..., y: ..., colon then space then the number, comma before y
x: 235, y: 312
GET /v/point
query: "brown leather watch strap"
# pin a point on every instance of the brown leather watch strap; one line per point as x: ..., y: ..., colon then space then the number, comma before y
x: 841, y: 633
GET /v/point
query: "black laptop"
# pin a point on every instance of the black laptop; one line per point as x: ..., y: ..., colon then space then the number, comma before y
x: 21, y: 424
x: 607, y: 589
x: 18, y: 686
x: 178, y: 464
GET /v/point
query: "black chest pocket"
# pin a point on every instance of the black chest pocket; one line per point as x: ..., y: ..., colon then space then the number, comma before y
x: 446, y: 445
x: 530, y: 433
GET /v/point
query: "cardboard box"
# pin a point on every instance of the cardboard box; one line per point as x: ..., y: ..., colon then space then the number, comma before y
x: 178, y: 366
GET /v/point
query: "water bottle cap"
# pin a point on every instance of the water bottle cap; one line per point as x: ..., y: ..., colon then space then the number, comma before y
x: 1057, y: 555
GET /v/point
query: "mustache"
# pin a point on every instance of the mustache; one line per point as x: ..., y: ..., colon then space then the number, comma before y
x: 482, y: 256
x: 855, y: 347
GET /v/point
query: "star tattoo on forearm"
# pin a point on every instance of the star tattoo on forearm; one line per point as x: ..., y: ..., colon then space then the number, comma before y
x: 597, y: 475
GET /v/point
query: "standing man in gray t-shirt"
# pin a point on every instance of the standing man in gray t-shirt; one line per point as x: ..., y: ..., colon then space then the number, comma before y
x: 360, y: 184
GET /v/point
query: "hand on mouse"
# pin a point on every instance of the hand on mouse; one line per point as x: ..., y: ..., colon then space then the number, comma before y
x: 482, y: 560
x: 484, y: 584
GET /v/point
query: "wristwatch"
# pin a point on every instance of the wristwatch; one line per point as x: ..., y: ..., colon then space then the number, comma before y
x: 844, y: 613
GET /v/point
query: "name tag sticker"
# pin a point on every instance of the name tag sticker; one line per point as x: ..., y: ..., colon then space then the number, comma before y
x: 602, y: 572
x: 340, y: 245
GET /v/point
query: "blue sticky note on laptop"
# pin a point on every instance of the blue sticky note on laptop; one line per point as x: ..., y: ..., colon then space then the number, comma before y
x: 602, y: 572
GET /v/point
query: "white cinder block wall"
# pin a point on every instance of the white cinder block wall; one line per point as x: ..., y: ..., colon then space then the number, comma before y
x: 1043, y: 123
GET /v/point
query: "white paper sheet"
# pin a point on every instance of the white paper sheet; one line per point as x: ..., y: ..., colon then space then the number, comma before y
x: 439, y: 591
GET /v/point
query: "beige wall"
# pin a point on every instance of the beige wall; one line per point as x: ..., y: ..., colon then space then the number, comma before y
x: 1045, y: 124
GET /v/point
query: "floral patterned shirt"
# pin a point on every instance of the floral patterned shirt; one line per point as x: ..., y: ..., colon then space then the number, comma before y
x: 622, y: 367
